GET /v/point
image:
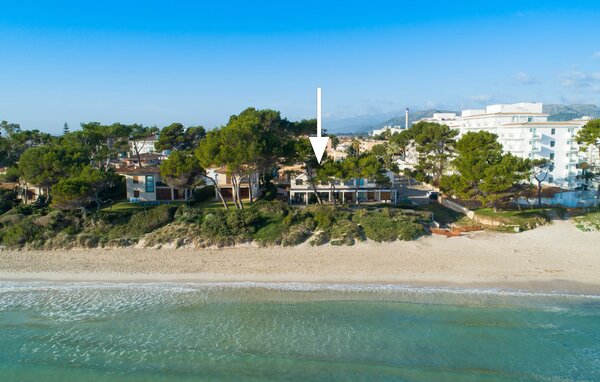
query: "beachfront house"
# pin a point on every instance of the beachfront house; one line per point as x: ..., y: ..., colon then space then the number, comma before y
x: 144, y: 184
x: 249, y: 184
x: 301, y: 191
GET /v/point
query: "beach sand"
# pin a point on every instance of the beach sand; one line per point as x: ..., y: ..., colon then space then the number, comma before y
x: 557, y: 257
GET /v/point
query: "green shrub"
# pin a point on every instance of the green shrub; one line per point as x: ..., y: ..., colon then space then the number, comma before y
x: 188, y: 214
x: 52, y: 220
x: 295, y: 236
x: 145, y: 221
x: 347, y: 231
x: 325, y: 216
x: 377, y: 226
x: 20, y: 234
x: 241, y: 221
x: 10, y: 219
x: 214, y: 225
x: 270, y: 233
x: 410, y: 231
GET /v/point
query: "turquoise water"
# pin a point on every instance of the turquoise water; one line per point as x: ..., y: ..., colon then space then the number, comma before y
x: 250, y: 332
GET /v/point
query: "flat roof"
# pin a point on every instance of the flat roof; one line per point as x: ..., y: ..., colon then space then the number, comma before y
x: 138, y: 170
x: 505, y: 113
x: 547, y: 123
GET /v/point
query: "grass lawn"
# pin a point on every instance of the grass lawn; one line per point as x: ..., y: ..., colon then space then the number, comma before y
x: 589, y: 221
x: 214, y: 204
x: 125, y: 206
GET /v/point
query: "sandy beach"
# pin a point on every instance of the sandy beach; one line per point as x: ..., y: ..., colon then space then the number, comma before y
x: 557, y: 257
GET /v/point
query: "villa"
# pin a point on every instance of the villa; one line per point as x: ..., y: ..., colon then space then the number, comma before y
x: 145, y: 184
x: 223, y: 180
x: 302, y: 192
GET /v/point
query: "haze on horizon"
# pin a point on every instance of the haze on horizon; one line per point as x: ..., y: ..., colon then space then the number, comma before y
x: 199, y: 63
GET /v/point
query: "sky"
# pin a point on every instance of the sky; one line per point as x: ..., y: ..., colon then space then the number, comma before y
x: 198, y: 62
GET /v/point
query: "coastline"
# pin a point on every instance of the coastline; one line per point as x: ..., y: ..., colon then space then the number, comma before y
x: 554, y: 258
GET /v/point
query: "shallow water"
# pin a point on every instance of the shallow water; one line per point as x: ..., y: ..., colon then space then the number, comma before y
x: 293, y: 332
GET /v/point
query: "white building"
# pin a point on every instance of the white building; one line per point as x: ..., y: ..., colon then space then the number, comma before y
x: 388, y: 128
x: 146, y: 185
x: 523, y: 129
x: 144, y: 146
x: 448, y: 119
x: 343, y: 192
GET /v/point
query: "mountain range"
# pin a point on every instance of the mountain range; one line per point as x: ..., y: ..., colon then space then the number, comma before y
x: 365, y: 123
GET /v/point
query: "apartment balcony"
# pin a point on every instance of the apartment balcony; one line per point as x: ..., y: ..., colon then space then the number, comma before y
x: 515, y: 137
x: 535, y: 149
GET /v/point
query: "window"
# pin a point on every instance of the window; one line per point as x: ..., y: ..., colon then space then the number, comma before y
x: 550, y: 179
x: 552, y: 143
x: 553, y: 131
x: 136, y: 193
x: 149, y: 183
x: 299, y: 182
x: 136, y: 179
x: 529, y: 119
x: 552, y: 156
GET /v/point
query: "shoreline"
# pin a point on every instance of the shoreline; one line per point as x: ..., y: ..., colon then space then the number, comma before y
x: 549, y: 287
x: 553, y: 258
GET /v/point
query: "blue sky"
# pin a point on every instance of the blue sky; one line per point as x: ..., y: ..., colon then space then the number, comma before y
x: 198, y: 62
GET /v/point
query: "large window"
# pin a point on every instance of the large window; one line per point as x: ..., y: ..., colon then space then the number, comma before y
x: 149, y: 183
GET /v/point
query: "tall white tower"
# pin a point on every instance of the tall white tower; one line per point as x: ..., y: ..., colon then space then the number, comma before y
x: 406, y: 120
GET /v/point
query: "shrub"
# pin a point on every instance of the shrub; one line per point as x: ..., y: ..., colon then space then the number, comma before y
x: 20, y: 234
x: 347, y: 231
x: 296, y: 236
x: 241, y: 221
x: 319, y: 239
x: 50, y: 221
x: 214, y: 225
x: 87, y: 240
x: 146, y: 221
x: 10, y: 219
x: 377, y: 226
x: 188, y: 214
x: 410, y: 231
x: 8, y: 199
x: 271, y: 233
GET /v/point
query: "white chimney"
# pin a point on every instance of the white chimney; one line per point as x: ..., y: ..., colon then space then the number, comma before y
x: 406, y: 121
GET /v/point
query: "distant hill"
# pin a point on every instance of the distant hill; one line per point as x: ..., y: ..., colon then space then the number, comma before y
x: 365, y: 123
x: 560, y: 112
x: 412, y: 117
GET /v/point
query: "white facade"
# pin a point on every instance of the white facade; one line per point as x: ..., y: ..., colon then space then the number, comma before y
x: 146, y: 185
x: 523, y: 129
x: 391, y: 129
x: 343, y: 191
x: 144, y: 146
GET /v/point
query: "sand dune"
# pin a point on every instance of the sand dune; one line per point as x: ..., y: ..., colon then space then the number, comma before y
x: 554, y: 257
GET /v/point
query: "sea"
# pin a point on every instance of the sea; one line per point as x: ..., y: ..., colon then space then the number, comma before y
x: 293, y: 332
